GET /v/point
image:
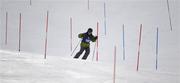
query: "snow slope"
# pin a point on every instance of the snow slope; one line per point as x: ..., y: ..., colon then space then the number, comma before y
x: 61, y: 68
x: 28, y: 68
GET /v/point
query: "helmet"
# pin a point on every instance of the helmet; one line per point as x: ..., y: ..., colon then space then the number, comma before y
x: 90, y: 30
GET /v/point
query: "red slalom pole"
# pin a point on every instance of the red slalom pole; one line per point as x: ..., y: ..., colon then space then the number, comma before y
x: 71, y: 33
x: 97, y: 55
x: 169, y: 14
x: 157, y: 47
x: 47, y: 22
x: 6, y: 35
x: 114, y: 68
x: 20, y: 26
x: 139, y: 47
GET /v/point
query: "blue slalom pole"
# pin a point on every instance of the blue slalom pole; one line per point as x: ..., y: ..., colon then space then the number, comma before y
x: 105, y: 18
x: 123, y: 43
x: 104, y: 9
x: 105, y: 26
x: 157, y: 46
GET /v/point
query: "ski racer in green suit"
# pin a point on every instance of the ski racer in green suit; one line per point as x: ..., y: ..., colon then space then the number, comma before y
x: 85, y: 43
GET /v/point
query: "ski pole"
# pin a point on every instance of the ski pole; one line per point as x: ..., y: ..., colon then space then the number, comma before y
x: 76, y: 47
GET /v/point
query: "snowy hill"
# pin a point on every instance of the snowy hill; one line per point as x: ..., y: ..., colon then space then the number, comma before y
x: 32, y: 29
x: 27, y: 68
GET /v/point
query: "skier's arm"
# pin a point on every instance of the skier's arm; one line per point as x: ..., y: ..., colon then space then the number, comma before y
x: 81, y: 35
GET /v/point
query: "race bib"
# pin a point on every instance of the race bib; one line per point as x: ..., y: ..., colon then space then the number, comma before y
x: 88, y: 39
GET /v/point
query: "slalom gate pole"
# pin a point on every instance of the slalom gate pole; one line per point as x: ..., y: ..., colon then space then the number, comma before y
x: 6, y: 34
x: 94, y: 51
x: 105, y: 27
x: 46, y: 38
x: 114, y: 67
x: 123, y: 42
x: 139, y: 47
x: 157, y: 47
x: 97, y: 55
x: 20, y: 26
x: 88, y: 5
x: 75, y: 47
x: 71, y: 33
x: 30, y: 2
x: 105, y: 18
x: 169, y: 13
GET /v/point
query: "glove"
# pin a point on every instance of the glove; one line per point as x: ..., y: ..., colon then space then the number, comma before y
x: 96, y: 37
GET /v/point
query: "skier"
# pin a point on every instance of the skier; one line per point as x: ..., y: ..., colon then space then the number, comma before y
x: 85, y: 43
